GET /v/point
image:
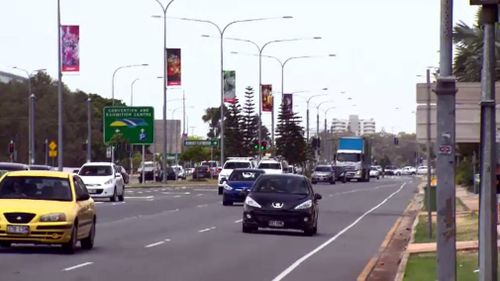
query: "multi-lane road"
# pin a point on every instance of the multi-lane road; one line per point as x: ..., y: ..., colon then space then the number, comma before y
x: 186, y: 234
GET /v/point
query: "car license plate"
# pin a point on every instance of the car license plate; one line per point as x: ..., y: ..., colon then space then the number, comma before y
x: 92, y: 191
x: 18, y: 229
x: 276, y: 223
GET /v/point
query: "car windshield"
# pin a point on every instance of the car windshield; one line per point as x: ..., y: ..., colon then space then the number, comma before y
x: 95, y: 171
x: 290, y: 185
x: 244, y: 175
x: 35, y: 188
x: 323, y: 169
x: 348, y: 157
x: 275, y: 166
x: 236, y: 165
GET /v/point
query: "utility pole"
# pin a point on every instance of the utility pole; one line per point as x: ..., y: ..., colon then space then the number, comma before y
x: 89, y: 129
x: 445, y: 140
x: 60, y: 124
x: 428, y: 147
x: 488, y: 253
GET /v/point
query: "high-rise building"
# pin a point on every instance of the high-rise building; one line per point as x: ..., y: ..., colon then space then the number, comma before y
x: 354, y: 125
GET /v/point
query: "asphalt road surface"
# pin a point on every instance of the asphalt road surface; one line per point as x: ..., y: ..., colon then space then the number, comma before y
x: 186, y: 234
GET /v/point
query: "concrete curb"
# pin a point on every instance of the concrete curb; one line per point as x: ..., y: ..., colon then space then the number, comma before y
x: 365, y: 273
x: 175, y: 185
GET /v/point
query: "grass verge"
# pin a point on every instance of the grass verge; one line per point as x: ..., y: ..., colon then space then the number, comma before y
x: 467, y: 225
x: 424, y: 267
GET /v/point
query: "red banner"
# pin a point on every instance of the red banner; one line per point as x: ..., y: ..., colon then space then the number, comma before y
x: 173, y: 67
x: 70, y: 48
x: 267, y: 98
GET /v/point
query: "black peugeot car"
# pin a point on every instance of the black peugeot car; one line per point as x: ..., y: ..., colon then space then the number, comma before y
x: 281, y: 201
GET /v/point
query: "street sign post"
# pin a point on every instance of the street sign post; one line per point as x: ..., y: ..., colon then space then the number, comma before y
x: 135, y: 124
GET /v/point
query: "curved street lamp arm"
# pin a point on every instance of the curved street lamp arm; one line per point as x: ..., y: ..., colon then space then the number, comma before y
x: 245, y: 40
x: 200, y: 20
x: 248, y: 20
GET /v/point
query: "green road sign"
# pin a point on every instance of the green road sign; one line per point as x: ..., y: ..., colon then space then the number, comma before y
x: 213, y: 142
x: 136, y: 124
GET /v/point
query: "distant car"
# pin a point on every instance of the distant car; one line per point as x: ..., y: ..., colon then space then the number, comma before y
x: 202, y: 172
x: 10, y: 166
x: 409, y: 171
x: 35, y: 167
x: 238, y: 183
x: 398, y: 171
x: 46, y: 207
x: 281, y: 201
x: 213, y: 167
x: 378, y: 167
x: 273, y: 166
x: 323, y: 173
x: 422, y: 170
x: 103, y: 180
x: 179, y: 170
x: 340, y: 173
x: 152, y: 171
x: 390, y: 170
x: 374, y: 173
x: 171, y: 174
x: 123, y: 172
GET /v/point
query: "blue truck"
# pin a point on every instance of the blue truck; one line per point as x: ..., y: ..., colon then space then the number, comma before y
x: 354, y: 156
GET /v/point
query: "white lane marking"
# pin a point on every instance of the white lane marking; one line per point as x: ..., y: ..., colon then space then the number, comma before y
x: 118, y: 203
x: 238, y: 221
x: 206, y: 229
x: 140, y: 197
x: 77, y: 266
x: 202, y: 206
x: 177, y: 193
x: 140, y: 192
x: 329, y: 241
x: 177, y: 196
x: 154, y: 244
x: 199, y: 194
x: 98, y: 203
x: 205, y: 189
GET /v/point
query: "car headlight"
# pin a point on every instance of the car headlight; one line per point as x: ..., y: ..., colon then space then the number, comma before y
x: 358, y: 172
x: 250, y: 202
x: 110, y: 181
x: 227, y: 186
x: 55, y: 217
x: 304, y: 205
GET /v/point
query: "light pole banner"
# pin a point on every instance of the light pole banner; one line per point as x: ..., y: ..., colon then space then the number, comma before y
x: 70, y: 48
x: 267, y: 98
x: 287, y: 103
x: 230, y: 86
x: 173, y: 67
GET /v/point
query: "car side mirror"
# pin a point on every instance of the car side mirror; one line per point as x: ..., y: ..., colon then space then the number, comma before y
x: 84, y: 197
x: 317, y: 196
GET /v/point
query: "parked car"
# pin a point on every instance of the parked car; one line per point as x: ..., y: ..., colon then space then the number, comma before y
x: 323, y: 173
x: 281, y: 201
x: 179, y: 170
x: 152, y: 171
x: 213, y: 167
x: 273, y: 166
x: 171, y: 174
x: 409, y: 171
x: 238, y: 184
x: 10, y: 166
x: 48, y: 200
x: 390, y: 170
x: 103, y: 180
x: 123, y: 172
x: 374, y: 173
x: 35, y: 167
x: 202, y: 172
x: 422, y: 170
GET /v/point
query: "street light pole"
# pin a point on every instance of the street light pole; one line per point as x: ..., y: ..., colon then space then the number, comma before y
x: 317, y: 116
x: 32, y: 127
x: 307, y: 112
x: 89, y: 129
x: 326, y: 117
x: 60, y: 131
x: 164, y: 158
x: 222, y: 30
x: 132, y: 91
x: 428, y: 148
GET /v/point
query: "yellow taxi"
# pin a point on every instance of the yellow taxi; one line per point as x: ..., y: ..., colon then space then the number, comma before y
x: 46, y: 207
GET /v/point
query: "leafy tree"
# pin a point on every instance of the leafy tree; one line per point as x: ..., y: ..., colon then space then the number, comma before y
x: 195, y: 154
x: 290, y: 141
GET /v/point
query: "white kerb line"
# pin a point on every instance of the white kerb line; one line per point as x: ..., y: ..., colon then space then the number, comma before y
x: 78, y: 266
x: 320, y: 247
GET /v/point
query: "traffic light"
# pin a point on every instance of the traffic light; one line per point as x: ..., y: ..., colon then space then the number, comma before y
x: 263, y: 145
x: 255, y: 145
x: 12, y: 147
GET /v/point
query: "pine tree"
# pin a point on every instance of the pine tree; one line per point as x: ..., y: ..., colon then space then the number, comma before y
x: 290, y: 142
x: 233, y: 138
x: 249, y: 124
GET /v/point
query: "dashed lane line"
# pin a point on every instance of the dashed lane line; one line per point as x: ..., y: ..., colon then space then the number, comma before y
x: 206, y: 229
x: 77, y: 266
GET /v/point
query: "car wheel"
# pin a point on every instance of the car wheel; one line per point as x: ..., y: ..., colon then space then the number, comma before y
x: 220, y: 191
x: 378, y: 177
x: 114, y: 197
x: 344, y: 179
x: 332, y: 182
x: 140, y: 179
x: 248, y: 229
x: 88, y: 243
x: 309, y: 231
x: 314, y: 182
x: 70, y: 246
x: 5, y: 244
x: 227, y: 203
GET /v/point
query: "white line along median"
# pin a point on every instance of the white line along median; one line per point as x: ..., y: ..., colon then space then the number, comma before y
x: 77, y: 266
x: 331, y: 240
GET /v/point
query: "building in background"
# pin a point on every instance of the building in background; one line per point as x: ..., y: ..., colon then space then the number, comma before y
x: 174, y: 141
x: 6, y: 77
x: 354, y: 125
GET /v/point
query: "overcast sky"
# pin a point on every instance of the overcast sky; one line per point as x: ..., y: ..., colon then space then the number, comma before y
x: 380, y: 45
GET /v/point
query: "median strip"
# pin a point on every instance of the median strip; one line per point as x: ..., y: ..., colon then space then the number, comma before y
x: 78, y: 266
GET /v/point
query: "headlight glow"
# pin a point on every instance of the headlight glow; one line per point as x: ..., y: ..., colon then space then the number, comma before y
x: 250, y: 202
x: 55, y: 217
x: 304, y: 205
x: 110, y: 181
x: 226, y: 186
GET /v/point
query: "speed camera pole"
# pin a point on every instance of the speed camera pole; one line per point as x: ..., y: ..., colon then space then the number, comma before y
x: 445, y: 140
